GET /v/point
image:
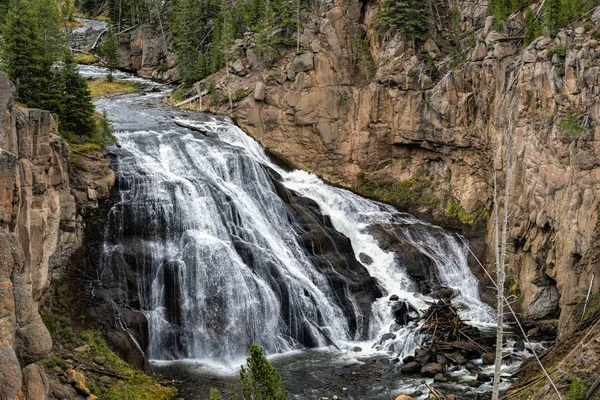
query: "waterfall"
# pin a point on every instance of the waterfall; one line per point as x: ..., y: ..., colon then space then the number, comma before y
x: 221, y: 248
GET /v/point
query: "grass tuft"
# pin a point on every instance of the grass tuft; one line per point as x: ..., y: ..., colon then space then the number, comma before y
x: 102, y: 88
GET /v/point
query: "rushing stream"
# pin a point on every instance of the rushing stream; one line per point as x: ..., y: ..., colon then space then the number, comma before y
x: 216, y: 244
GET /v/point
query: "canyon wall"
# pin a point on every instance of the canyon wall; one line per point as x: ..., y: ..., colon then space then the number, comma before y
x: 366, y: 111
x: 40, y: 228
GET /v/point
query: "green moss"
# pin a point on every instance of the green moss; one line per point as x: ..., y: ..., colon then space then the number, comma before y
x: 103, y: 88
x: 86, y: 59
x: 513, y: 288
x: 592, y: 306
x: 136, y: 384
x: 416, y: 191
x: 576, y: 390
x: 455, y: 210
x: 52, y: 362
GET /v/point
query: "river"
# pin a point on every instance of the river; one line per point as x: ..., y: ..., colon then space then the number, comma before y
x: 215, y: 243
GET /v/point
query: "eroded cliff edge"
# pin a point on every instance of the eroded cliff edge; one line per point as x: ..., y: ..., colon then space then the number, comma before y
x: 41, y: 226
x: 365, y: 112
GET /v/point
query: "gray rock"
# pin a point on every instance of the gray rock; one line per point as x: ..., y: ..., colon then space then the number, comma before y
x: 260, y: 90
x: 304, y: 62
x: 238, y: 68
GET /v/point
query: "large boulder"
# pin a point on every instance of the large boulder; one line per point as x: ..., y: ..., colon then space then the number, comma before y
x: 431, y: 370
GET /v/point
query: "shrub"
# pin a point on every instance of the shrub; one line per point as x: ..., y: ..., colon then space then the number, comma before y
x: 576, y: 390
x: 560, y: 51
x: 572, y: 125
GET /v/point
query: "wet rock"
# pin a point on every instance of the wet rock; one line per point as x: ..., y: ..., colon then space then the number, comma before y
x: 441, y: 359
x: 408, y: 359
x: 442, y: 292
x: 410, y: 368
x: 472, y: 368
x: 488, y: 358
x: 520, y: 345
x: 481, y: 377
x: 365, y: 259
x: 357, y: 349
x: 440, y: 378
x: 430, y: 370
x: 401, y: 312
x: 394, y: 297
x: 387, y: 336
x: 422, y: 356
x: 459, y: 359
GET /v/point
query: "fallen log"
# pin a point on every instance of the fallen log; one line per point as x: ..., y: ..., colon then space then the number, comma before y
x: 188, y: 126
x: 325, y: 335
x: 186, y: 101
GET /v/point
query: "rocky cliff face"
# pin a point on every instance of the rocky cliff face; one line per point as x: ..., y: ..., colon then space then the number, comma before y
x: 40, y: 228
x: 143, y: 51
x: 370, y: 114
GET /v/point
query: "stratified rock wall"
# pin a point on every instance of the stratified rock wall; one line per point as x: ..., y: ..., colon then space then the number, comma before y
x: 376, y: 122
x: 39, y: 230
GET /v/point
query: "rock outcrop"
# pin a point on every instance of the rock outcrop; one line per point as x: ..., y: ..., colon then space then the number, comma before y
x: 142, y: 50
x: 40, y: 228
x: 428, y: 131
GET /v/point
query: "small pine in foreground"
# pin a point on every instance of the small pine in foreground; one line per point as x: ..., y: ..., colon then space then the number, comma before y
x: 258, y: 380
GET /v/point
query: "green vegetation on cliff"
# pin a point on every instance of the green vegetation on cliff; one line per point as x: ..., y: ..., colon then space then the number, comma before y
x: 202, y: 32
x: 410, y: 17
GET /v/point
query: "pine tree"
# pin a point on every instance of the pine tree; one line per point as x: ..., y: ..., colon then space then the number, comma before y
x: 106, y: 131
x: 109, y: 51
x: 552, y: 15
x: 259, y: 379
x: 533, y: 28
x: 411, y: 17
x: 76, y: 114
x: 25, y: 56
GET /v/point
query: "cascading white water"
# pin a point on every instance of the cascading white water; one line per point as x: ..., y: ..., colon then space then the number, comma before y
x: 216, y: 251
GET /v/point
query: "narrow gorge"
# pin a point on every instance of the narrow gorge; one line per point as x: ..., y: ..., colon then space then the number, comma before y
x: 324, y: 188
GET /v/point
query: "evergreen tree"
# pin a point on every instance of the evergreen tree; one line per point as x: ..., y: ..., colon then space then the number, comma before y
x: 3, y: 10
x: 411, y: 17
x: 25, y: 57
x: 76, y: 113
x: 533, y: 28
x: 106, y: 131
x: 259, y: 379
x: 109, y: 50
x: 554, y: 15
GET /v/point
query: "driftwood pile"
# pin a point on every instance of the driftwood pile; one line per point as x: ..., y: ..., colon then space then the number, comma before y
x: 449, y: 342
x: 448, y: 332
